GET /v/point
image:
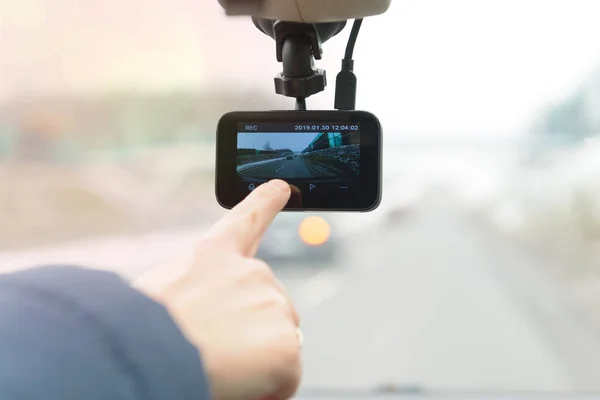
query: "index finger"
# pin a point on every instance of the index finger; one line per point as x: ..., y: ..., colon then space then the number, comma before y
x: 246, y: 223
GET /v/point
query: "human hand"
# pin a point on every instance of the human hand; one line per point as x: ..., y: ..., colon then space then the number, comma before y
x: 232, y: 307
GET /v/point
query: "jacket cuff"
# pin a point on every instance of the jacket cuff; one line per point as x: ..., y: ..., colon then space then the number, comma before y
x: 143, y: 337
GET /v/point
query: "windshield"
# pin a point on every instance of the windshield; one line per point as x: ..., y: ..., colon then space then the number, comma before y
x: 478, y: 272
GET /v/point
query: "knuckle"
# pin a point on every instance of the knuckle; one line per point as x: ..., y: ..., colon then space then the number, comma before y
x: 279, y: 301
x: 251, y: 221
x: 254, y: 272
x: 253, y: 218
x: 276, y: 303
x: 289, y: 354
x: 261, y: 269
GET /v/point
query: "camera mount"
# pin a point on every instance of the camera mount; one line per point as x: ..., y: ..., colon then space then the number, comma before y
x: 297, y: 46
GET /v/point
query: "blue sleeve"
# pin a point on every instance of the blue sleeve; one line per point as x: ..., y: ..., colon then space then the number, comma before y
x: 72, y: 333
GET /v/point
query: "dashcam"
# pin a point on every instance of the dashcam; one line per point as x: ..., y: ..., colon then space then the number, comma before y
x: 331, y: 159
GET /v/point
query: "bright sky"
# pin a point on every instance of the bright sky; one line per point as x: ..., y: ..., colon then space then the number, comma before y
x: 425, y: 67
x: 294, y: 141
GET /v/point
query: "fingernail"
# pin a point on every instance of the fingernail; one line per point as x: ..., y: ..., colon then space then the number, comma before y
x: 279, y: 184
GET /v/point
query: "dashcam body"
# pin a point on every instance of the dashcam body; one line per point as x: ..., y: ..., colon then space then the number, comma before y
x: 331, y: 159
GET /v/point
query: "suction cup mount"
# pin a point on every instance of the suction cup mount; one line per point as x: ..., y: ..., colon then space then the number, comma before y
x: 297, y: 46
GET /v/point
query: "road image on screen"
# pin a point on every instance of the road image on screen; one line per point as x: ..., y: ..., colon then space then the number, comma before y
x: 310, y: 156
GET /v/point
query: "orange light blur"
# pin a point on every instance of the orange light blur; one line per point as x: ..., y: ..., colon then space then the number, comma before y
x: 314, y: 231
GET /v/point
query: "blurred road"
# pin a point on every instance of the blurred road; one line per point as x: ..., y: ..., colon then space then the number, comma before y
x: 297, y: 167
x: 436, y: 300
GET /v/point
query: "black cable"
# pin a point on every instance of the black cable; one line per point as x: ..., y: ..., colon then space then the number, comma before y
x: 352, y: 39
x: 301, y: 104
x: 345, y: 83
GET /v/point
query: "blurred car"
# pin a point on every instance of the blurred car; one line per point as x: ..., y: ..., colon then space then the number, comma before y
x: 299, y: 237
x: 402, y: 202
x: 397, y: 213
x: 289, y: 156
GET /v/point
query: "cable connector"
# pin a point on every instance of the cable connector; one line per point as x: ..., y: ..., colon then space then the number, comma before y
x: 345, y: 87
x: 345, y: 82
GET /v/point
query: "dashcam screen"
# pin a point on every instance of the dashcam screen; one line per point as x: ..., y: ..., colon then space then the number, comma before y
x: 326, y: 156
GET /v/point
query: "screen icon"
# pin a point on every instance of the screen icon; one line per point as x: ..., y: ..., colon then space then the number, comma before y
x: 311, y: 187
x: 251, y: 186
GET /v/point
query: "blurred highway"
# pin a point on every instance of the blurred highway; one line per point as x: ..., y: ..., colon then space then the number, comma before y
x: 439, y: 302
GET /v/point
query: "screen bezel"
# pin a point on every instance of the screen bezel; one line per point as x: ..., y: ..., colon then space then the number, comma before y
x: 229, y: 193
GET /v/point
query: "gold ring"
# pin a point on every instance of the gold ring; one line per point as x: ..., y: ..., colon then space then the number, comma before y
x: 300, y: 337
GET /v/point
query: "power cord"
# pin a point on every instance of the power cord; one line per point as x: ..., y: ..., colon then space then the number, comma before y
x: 345, y: 82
